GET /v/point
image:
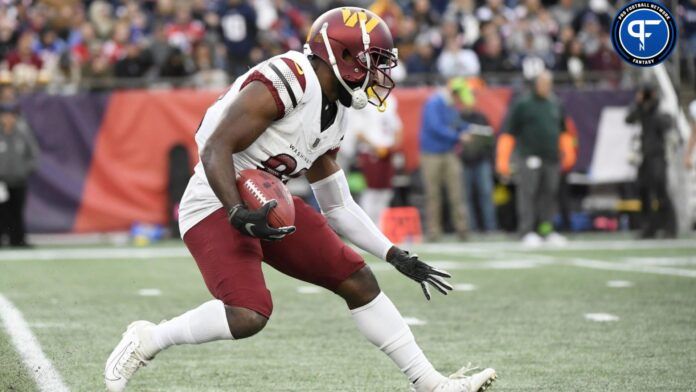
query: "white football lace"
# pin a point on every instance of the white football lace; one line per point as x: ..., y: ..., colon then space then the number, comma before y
x: 464, y: 372
x: 133, y: 361
x: 255, y: 191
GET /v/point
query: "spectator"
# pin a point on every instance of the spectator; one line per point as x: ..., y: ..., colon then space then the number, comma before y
x: 23, y: 54
x: 687, y: 12
x: 462, y: 11
x: 135, y: 64
x: 184, y: 32
x: 605, y: 58
x: 493, y: 57
x: 100, y: 13
x: 440, y: 133
x: 590, y: 34
x: 24, y: 65
x: 564, y: 12
x: 82, y: 43
x: 457, y: 61
x: 421, y: 61
x: 115, y: 48
x: 691, y: 146
x: 177, y: 65
x: 160, y: 49
x: 18, y: 156
x: 377, y: 134
x: 572, y: 60
x: 498, y: 15
x: 652, y: 172
x: 8, y: 37
x: 535, y: 128
x: 476, y: 153
x: 390, y: 12
x: 49, y: 46
x: 238, y: 24
x: 206, y: 76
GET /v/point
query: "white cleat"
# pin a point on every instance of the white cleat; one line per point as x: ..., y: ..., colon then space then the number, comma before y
x: 126, y: 358
x: 461, y: 382
x: 532, y: 240
x: 556, y: 239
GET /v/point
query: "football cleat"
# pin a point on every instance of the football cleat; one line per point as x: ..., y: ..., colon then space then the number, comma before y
x: 532, y: 240
x: 556, y: 239
x: 126, y: 358
x: 462, y: 382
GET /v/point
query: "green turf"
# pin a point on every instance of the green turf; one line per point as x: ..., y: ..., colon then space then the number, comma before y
x: 13, y: 375
x: 527, y: 323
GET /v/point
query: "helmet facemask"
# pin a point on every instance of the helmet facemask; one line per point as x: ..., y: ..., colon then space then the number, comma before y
x: 379, y: 75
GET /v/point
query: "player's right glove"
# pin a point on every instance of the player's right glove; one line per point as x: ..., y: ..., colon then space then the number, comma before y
x: 255, y: 223
x: 409, y: 265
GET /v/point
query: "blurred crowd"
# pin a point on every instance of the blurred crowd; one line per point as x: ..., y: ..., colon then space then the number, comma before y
x: 208, y: 42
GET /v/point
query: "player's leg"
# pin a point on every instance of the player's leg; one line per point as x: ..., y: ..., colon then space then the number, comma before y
x: 231, y: 267
x: 16, y: 215
x: 484, y: 182
x: 431, y: 172
x: 664, y: 216
x: 453, y: 179
x: 315, y: 254
x: 527, y: 181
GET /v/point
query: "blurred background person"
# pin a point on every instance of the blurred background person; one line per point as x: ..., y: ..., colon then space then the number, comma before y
x: 535, y: 131
x: 477, y: 143
x: 691, y: 146
x: 652, y: 171
x: 18, y: 157
x: 440, y: 134
x: 378, y: 133
x: 239, y: 32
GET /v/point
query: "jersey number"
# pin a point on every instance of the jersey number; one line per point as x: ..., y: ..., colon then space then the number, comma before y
x: 282, y: 165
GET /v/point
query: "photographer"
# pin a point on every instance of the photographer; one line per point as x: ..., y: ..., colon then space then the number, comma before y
x: 652, y: 172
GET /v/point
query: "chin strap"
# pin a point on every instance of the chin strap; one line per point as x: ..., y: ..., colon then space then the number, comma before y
x: 358, y: 95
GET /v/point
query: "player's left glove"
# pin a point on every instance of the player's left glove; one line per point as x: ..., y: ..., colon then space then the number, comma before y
x: 409, y: 265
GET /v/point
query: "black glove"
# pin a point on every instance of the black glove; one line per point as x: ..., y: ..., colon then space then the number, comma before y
x: 409, y: 265
x: 255, y: 223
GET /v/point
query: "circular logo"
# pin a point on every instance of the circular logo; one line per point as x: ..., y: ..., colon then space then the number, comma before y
x: 644, y: 33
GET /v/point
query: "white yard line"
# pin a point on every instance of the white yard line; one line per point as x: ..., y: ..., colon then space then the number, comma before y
x: 493, y: 255
x: 594, y: 264
x: 479, y: 249
x: 96, y: 254
x: 41, y: 369
x: 614, y: 266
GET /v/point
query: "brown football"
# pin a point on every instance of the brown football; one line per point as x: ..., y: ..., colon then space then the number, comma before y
x: 256, y: 187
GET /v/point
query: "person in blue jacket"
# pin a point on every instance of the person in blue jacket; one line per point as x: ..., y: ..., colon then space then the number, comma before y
x: 441, y: 132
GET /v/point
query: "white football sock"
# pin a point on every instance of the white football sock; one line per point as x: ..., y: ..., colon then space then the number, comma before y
x: 384, y: 327
x: 205, y: 323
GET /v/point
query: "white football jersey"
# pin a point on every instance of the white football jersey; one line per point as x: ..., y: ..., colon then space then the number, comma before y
x: 289, y: 145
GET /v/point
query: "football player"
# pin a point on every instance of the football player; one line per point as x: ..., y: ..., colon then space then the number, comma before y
x: 286, y: 116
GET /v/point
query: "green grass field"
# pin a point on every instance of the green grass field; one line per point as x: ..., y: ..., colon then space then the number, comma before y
x: 524, y: 316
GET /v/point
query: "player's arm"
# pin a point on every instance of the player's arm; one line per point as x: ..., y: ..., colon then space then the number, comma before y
x: 330, y: 188
x: 244, y: 121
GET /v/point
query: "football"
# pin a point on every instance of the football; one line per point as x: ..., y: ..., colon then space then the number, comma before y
x: 256, y: 187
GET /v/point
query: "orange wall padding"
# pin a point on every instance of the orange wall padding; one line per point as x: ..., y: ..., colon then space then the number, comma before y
x: 127, y: 180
